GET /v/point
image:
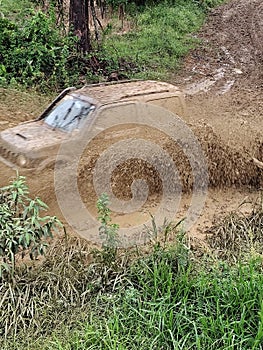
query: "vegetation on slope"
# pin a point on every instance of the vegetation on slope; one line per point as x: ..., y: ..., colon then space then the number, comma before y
x: 36, y: 51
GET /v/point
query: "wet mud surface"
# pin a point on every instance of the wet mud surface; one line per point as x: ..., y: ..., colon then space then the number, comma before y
x: 222, y: 81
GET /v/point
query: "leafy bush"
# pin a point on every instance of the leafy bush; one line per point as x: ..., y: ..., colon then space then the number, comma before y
x: 41, y: 298
x: 21, y: 226
x: 35, y: 53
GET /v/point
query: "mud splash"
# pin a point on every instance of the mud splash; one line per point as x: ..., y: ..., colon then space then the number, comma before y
x: 226, y: 167
x: 223, y: 83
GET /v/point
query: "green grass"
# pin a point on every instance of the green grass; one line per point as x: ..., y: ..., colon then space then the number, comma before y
x: 16, y: 9
x: 172, y: 297
x: 165, y: 300
x: 162, y: 35
x: 222, y: 309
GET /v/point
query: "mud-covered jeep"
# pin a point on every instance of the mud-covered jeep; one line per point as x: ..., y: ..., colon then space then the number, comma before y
x: 34, y: 144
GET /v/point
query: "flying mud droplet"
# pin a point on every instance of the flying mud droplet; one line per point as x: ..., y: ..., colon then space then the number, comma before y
x: 107, y: 126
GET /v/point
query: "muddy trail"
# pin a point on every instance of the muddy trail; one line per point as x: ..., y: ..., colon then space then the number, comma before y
x: 222, y: 80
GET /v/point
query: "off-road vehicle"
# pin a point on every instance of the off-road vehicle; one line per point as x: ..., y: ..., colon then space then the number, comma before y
x: 34, y: 144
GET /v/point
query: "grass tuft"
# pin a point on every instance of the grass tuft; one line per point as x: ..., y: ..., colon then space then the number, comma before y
x: 238, y: 236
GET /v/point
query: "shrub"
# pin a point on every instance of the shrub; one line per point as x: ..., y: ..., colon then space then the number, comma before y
x: 21, y: 226
x: 35, y: 53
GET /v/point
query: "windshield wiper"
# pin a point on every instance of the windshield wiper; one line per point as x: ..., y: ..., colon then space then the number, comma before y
x: 58, y: 124
x: 78, y: 116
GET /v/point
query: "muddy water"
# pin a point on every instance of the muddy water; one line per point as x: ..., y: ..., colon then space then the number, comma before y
x: 232, y: 176
x: 217, y: 204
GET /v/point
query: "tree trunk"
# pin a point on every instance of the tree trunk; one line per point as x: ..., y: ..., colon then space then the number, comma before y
x: 78, y: 21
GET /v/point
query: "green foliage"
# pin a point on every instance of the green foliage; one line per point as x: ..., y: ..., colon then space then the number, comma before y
x: 43, y: 297
x: 220, y: 309
x: 160, y: 37
x: 165, y: 299
x: 16, y: 10
x: 108, y: 231
x: 21, y: 226
x: 35, y: 53
x: 209, y: 4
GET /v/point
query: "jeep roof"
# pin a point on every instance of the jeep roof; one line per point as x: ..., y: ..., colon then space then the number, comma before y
x: 106, y: 93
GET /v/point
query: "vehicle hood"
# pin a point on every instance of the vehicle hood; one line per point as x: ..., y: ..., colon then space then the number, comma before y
x: 33, y: 136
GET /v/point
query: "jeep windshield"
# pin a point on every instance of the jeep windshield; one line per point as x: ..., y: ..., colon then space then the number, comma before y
x: 70, y: 114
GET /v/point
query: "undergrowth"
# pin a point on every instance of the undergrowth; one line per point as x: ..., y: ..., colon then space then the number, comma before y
x: 166, y: 309
x: 238, y: 236
x: 23, y: 230
x: 171, y: 297
x: 160, y: 36
x: 36, y: 52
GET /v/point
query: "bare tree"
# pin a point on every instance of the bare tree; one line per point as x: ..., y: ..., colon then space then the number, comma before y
x: 78, y: 21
